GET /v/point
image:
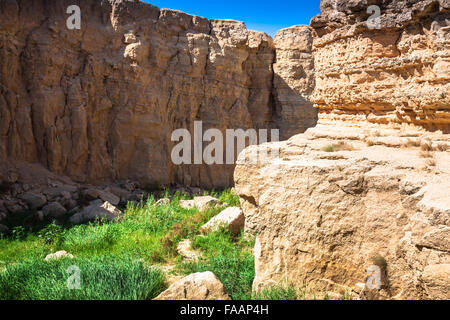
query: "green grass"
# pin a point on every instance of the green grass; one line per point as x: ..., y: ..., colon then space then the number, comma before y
x: 230, y: 258
x: 279, y: 292
x: 340, y: 146
x: 146, y: 233
x: 101, y: 278
x: 115, y: 258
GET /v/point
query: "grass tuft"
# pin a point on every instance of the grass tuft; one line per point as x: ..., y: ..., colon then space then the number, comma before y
x: 101, y: 278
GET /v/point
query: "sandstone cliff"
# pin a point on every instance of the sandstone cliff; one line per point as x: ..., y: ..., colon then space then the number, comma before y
x: 294, y: 80
x: 393, y: 73
x: 100, y: 104
x: 369, y: 184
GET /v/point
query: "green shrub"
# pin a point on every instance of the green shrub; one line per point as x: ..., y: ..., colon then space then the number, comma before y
x: 18, y: 233
x: 102, y: 278
x: 52, y: 234
x: 279, y: 292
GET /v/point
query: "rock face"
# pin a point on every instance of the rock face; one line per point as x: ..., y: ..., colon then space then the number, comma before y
x: 294, y: 80
x: 320, y: 217
x: 395, y: 74
x: 370, y: 182
x: 100, y: 104
x: 197, y: 286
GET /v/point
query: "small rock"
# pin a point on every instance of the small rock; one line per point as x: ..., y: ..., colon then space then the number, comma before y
x: 14, y: 206
x: 96, y: 211
x: 203, y: 203
x: 185, y: 251
x: 130, y: 186
x: 163, y: 202
x: 91, y: 194
x: 34, y: 200
x: 66, y: 195
x: 69, y: 204
x: 197, y: 286
x: 54, y: 210
x: 187, y: 204
x: 232, y: 218
x: 58, y: 255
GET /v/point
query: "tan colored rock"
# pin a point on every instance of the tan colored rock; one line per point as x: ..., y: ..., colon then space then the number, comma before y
x: 102, y: 102
x: 58, y: 255
x: 231, y: 218
x: 396, y: 75
x: 437, y: 281
x: 205, y: 202
x: 184, y: 249
x: 197, y: 286
x: 163, y: 202
x: 324, y: 215
x: 187, y: 204
x: 294, y: 80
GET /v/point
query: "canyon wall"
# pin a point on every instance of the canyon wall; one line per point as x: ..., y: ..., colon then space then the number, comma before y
x: 392, y: 71
x: 366, y: 190
x: 100, y: 104
x: 294, y: 80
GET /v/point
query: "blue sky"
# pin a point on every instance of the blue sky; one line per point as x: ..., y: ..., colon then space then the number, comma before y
x: 268, y: 16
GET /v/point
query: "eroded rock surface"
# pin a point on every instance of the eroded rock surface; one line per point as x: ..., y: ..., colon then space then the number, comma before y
x: 294, y: 80
x: 322, y: 215
x: 100, y: 104
x: 395, y: 73
x: 370, y: 182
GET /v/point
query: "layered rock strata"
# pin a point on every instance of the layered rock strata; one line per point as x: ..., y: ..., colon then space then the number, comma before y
x: 391, y: 71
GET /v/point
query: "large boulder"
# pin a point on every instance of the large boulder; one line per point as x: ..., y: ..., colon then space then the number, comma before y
x: 34, y: 200
x: 197, y: 286
x: 95, y: 211
x: 231, y: 218
x: 54, y: 210
x: 323, y: 219
x: 105, y: 195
